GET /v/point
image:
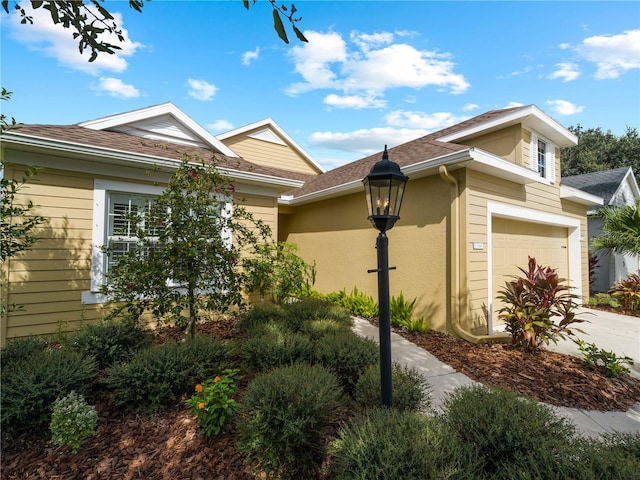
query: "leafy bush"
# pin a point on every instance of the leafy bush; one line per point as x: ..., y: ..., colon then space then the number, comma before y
x: 256, y: 316
x: 401, y: 310
x: 359, y: 304
x: 313, y: 309
x: 510, y: 432
x: 410, y: 389
x: 532, y: 301
x: 347, y: 355
x: 31, y: 385
x: 274, y: 349
x: 157, y: 377
x: 612, y: 456
x: 393, y: 444
x: 21, y: 349
x: 212, y: 403
x: 316, y: 329
x: 72, y: 420
x: 599, y: 358
x: 604, y: 299
x: 109, y: 341
x: 628, y: 292
x: 285, y: 415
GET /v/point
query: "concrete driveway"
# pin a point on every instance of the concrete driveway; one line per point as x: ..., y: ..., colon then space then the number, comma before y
x: 615, y: 333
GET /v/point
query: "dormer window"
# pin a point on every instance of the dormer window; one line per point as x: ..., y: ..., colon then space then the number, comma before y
x: 543, y: 157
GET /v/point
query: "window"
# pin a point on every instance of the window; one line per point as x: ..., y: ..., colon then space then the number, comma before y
x: 113, y: 201
x: 120, y: 235
x: 543, y: 158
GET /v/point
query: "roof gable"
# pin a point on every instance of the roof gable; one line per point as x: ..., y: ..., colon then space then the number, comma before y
x: 269, y: 131
x: 161, y: 122
x: 529, y: 116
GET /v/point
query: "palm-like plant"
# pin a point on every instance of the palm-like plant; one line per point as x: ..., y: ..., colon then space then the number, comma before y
x: 620, y: 230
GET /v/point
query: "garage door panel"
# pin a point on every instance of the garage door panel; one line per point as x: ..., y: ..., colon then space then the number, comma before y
x: 514, y: 241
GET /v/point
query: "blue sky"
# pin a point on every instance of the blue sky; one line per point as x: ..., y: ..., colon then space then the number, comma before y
x: 373, y: 72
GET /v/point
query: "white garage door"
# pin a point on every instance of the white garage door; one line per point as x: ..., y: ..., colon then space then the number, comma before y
x: 513, y: 242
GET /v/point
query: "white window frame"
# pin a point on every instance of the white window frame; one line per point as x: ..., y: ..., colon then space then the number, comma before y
x: 549, y: 173
x: 101, y: 191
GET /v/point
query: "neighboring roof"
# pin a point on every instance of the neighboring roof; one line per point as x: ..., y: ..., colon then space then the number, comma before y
x: 160, y: 122
x: 441, y: 148
x: 268, y: 123
x: 115, y: 146
x: 604, y: 184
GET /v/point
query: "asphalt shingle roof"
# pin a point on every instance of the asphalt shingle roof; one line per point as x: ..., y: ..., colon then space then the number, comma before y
x: 144, y: 146
x: 603, y: 184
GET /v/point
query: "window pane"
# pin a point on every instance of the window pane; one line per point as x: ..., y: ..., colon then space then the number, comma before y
x: 542, y: 150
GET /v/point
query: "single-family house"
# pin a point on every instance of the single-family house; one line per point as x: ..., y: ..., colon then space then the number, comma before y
x: 617, y: 187
x: 90, y: 172
x: 483, y: 195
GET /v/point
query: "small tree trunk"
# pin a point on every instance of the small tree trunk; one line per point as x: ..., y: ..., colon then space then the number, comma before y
x: 190, y: 332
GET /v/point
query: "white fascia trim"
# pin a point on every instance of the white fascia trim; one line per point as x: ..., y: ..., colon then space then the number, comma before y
x: 629, y: 178
x: 472, y: 158
x: 535, y: 216
x: 268, y: 122
x: 518, y: 115
x: 155, y: 111
x: 579, y: 196
x: 136, y: 158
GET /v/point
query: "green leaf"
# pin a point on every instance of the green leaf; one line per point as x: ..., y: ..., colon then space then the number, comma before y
x: 299, y: 34
x: 277, y: 24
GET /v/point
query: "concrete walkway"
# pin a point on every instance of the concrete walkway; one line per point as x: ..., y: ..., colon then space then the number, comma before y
x: 444, y: 379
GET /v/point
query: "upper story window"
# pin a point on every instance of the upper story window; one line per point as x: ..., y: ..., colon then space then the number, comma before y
x: 543, y: 157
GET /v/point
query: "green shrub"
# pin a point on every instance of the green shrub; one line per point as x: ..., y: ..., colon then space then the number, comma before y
x: 410, y: 389
x: 109, y: 341
x: 72, y: 420
x: 384, y: 443
x: 256, y: 316
x: 347, y: 355
x: 22, y: 348
x: 157, y: 377
x: 612, y: 456
x: 401, y: 311
x: 312, y: 309
x: 598, y: 358
x: 31, y: 385
x: 510, y: 432
x: 316, y: 329
x: 359, y: 304
x: 275, y: 348
x: 212, y: 403
x: 285, y: 415
x: 627, y: 291
x: 604, y: 299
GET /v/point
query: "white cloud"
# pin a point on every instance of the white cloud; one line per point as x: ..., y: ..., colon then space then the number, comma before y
x: 562, y: 107
x: 513, y: 104
x: 57, y: 42
x: 248, y: 57
x: 612, y: 54
x: 370, y: 64
x: 564, y: 46
x: 201, y: 90
x: 220, y: 126
x: 116, y: 88
x: 566, y: 71
x: 421, y: 120
x: 365, y: 141
x: 470, y: 107
x: 354, y: 101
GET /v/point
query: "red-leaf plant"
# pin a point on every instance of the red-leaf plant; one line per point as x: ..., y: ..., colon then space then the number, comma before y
x: 534, y: 304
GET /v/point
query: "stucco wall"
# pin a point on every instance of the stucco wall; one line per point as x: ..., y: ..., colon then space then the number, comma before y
x: 337, y: 236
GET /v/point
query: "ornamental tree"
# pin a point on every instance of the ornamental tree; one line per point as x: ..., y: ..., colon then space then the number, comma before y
x: 185, y: 264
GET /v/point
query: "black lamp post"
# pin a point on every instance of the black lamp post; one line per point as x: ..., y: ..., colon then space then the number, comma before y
x: 384, y: 187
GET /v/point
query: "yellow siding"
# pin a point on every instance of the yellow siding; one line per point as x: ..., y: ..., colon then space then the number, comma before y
x: 504, y: 143
x: 50, y: 278
x: 270, y: 154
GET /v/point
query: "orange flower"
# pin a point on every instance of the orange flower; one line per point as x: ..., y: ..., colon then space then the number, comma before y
x: 217, y: 379
x: 198, y: 388
x: 201, y: 405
